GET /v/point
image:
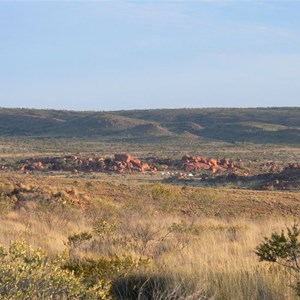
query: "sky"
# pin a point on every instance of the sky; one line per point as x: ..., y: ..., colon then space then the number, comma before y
x: 115, y: 55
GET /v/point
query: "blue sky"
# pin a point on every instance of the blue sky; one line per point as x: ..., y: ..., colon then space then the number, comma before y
x: 109, y: 55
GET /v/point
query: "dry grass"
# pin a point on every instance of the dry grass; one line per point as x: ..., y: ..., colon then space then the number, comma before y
x: 200, y: 241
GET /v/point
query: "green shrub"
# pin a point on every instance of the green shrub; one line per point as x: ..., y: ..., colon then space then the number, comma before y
x: 30, y: 274
x: 283, y: 249
x: 78, y: 238
x: 104, y: 268
x: 159, y: 191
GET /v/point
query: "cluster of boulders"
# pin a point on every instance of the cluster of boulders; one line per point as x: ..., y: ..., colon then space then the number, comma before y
x: 31, y: 166
x: 73, y: 163
x: 4, y: 165
x: 121, y: 163
x: 195, y: 163
x: 274, y: 167
x: 270, y: 166
x: 293, y: 166
x: 126, y: 162
x: 287, y: 179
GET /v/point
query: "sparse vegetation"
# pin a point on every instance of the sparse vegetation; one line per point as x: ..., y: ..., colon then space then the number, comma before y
x: 149, y: 235
x: 229, y: 125
x: 155, y: 239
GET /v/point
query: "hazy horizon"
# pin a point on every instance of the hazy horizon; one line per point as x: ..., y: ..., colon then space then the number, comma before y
x: 143, y: 109
x: 108, y: 56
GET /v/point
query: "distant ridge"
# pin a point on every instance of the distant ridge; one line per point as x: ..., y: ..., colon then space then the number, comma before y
x: 257, y: 125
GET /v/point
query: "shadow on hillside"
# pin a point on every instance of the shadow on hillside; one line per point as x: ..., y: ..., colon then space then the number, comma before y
x: 236, y: 133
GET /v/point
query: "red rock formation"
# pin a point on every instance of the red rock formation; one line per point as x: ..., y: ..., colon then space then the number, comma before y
x: 123, y: 157
x: 136, y: 162
x: 213, y: 162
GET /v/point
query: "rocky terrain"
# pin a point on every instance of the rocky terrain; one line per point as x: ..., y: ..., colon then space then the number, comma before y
x: 123, y: 162
x: 195, y: 170
x: 287, y: 178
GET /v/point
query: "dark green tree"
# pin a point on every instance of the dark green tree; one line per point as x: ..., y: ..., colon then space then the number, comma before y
x: 283, y: 249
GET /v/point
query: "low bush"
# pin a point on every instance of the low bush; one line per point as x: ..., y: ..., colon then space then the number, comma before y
x: 283, y: 249
x: 30, y: 274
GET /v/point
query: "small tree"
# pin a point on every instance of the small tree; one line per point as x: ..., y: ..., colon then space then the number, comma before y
x: 283, y: 249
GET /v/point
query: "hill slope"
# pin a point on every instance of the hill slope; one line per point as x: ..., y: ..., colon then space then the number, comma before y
x: 258, y: 125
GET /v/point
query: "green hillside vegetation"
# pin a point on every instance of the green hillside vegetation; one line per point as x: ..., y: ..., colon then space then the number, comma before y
x: 257, y: 125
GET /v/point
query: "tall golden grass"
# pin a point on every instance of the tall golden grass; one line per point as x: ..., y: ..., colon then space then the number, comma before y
x: 209, y: 255
x: 202, y: 256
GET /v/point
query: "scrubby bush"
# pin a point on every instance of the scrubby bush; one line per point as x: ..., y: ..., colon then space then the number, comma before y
x: 160, y: 191
x: 30, y: 274
x: 108, y: 268
x: 283, y: 249
x: 104, y: 268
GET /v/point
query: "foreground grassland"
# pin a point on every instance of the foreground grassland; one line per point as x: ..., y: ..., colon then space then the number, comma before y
x: 154, y: 241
